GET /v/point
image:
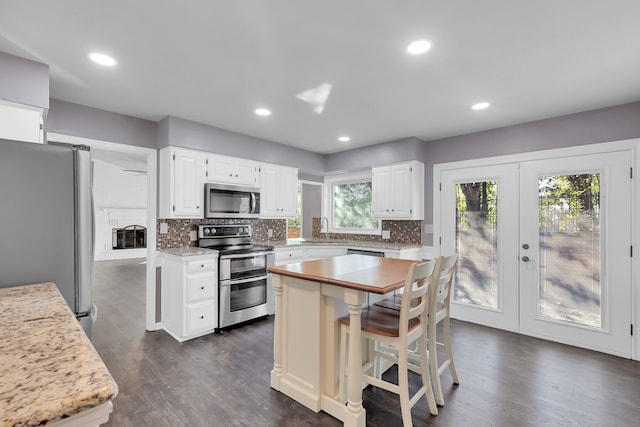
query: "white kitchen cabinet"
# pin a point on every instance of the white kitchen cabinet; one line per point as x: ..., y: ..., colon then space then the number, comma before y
x: 398, y: 191
x: 232, y: 170
x: 319, y: 252
x: 189, y: 295
x: 181, y: 188
x: 300, y: 253
x: 286, y: 255
x: 278, y: 191
x: 20, y: 122
x: 407, y: 253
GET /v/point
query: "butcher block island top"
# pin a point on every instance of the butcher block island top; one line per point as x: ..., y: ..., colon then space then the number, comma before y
x: 49, y: 370
x: 366, y: 273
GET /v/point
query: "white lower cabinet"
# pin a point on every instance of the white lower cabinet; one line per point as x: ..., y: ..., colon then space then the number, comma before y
x: 189, y: 295
x: 324, y: 252
x: 409, y: 253
x: 288, y: 254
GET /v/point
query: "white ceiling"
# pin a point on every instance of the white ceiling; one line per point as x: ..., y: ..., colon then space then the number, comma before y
x: 215, y: 61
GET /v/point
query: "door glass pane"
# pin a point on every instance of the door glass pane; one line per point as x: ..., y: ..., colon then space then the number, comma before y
x: 569, y: 232
x: 476, y: 279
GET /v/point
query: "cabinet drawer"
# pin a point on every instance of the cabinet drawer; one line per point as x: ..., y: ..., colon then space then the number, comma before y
x: 316, y: 253
x: 201, y: 286
x: 288, y: 256
x: 201, y: 316
x: 202, y: 265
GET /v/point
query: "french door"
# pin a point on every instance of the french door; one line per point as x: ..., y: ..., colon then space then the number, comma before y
x: 544, y: 247
x: 479, y: 222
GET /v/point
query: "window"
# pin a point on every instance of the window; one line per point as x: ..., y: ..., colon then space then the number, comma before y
x: 349, y: 205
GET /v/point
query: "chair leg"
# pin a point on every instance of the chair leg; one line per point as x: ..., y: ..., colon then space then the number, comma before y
x: 342, y: 365
x: 447, y: 342
x: 426, y: 382
x: 403, y: 388
x: 432, y: 346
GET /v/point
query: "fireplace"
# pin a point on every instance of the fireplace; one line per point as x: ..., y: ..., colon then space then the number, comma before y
x: 129, y: 237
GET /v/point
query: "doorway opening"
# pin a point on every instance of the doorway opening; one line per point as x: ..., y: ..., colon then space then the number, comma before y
x: 135, y: 168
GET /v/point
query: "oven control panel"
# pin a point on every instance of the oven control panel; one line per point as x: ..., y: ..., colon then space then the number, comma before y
x: 220, y: 231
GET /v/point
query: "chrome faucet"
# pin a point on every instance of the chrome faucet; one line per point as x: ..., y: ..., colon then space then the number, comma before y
x: 326, y: 230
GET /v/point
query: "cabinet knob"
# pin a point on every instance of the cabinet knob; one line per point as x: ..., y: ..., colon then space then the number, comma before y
x: 202, y: 265
x: 202, y: 317
x: 202, y: 288
x: 230, y: 174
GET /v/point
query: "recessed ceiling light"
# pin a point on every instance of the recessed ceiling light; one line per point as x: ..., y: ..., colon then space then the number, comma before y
x: 480, y: 105
x: 344, y: 139
x: 262, y: 112
x: 418, y: 47
x: 102, y: 59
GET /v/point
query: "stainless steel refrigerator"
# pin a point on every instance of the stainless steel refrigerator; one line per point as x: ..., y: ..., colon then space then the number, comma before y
x: 46, y: 221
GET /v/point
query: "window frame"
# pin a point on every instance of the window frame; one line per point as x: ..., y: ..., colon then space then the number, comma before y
x: 328, y: 205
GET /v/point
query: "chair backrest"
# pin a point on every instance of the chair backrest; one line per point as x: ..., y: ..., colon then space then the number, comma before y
x: 441, y: 292
x: 420, y: 279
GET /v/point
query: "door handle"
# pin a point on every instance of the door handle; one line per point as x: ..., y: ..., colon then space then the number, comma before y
x: 527, y: 259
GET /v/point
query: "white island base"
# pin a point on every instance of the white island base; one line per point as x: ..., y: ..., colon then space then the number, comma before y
x: 307, y: 336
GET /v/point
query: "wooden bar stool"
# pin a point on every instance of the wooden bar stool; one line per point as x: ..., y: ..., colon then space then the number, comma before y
x: 398, y: 329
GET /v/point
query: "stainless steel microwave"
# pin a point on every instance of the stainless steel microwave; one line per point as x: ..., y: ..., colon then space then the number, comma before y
x: 231, y: 201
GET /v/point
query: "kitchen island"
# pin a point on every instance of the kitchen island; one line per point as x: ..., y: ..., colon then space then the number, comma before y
x: 50, y: 373
x: 310, y: 297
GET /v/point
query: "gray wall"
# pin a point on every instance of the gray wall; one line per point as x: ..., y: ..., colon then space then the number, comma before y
x: 78, y: 120
x: 603, y: 125
x: 24, y: 81
x: 188, y: 134
x: 379, y: 154
x: 311, y: 207
x: 591, y: 127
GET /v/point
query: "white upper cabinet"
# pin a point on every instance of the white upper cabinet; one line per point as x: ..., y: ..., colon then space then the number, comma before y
x: 398, y: 191
x: 232, y: 170
x: 278, y: 191
x: 20, y: 122
x: 182, y: 177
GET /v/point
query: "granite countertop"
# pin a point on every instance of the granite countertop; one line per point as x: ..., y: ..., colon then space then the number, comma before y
x: 49, y: 369
x: 335, y: 242
x: 189, y: 251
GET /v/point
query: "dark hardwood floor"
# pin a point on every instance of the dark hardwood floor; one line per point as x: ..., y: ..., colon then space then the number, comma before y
x: 223, y: 379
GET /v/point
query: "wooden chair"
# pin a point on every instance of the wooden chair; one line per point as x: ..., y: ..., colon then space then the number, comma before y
x: 398, y: 329
x: 439, y: 300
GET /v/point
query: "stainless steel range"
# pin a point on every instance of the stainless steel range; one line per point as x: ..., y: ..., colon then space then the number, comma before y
x: 245, y: 291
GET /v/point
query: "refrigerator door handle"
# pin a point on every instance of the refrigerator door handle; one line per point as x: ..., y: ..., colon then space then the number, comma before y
x: 83, y: 229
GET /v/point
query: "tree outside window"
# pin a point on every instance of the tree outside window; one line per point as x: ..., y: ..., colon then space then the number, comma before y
x: 351, y: 207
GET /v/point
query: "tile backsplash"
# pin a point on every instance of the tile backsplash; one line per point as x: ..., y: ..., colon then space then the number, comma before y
x: 178, y: 234
x: 179, y: 231
x: 400, y: 232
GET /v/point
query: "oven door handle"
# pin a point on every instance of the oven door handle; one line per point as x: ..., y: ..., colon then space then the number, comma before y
x: 237, y: 282
x: 247, y: 255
